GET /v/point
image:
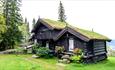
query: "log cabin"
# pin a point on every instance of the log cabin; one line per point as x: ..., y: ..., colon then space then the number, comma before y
x: 50, y: 33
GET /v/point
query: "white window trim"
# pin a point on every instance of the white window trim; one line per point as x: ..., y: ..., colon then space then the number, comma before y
x: 71, y: 44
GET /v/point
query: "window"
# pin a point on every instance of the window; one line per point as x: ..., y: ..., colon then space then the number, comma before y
x: 47, y: 44
x: 35, y: 41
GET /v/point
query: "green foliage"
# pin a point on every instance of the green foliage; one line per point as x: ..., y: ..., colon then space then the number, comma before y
x: 1, y: 6
x: 33, y: 22
x: 61, y: 12
x: 12, y: 12
x: 2, y: 26
x: 24, y: 30
x: 43, y: 52
x: 59, y: 49
x: 2, y: 30
x: 35, y: 47
x: 13, y: 19
x: 77, y: 51
x: 76, y: 58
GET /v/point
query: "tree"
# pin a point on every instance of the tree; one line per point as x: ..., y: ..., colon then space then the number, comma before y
x: 61, y: 11
x: 25, y: 31
x: 25, y: 21
x: 24, y: 28
x: 13, y: 19
x: 33, y: 22
x: 1, y: 7
x: 2, y: 27
x: 28, y: 31
x: 11, y: 11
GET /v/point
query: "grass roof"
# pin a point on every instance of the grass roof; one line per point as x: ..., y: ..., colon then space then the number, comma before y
x: 62, y: 25
x: 55, y: 24
x: 91, y: 34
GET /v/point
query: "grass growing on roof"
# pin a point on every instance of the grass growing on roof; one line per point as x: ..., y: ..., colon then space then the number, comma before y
x: 55, y: 24
x: 62, y: 25
x: 91, y: 34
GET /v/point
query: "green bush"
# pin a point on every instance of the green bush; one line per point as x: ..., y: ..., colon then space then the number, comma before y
x: 77, y: 51
x: 43, y: 52
x: 75, y: 58
x: 59, y: 49
x: 35, y: 48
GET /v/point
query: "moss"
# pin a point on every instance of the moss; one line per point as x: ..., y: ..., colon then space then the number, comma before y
x: 91, y: 35
x: 55, y: 24
x: 62, y: 25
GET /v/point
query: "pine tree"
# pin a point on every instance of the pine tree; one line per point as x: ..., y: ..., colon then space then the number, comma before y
x: 33, y: 22
x: 28, y: 28
x: 1, y: 6
x: 24, y: 28
x: 25, y: 21
x: 12, y: 12
x: 13, y: 19
x: 61, y: 11
x: 2, y: 27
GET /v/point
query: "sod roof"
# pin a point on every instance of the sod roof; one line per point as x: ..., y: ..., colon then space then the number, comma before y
x: 55, y: 24
x: 87, y: 33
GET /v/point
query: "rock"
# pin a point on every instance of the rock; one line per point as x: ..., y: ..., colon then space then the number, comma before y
x: 66, y: 61
x: 35, y: 56
x: 65, y: 57
x: 60, y: 61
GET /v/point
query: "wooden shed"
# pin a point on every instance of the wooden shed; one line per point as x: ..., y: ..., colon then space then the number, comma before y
x: 50, y: 33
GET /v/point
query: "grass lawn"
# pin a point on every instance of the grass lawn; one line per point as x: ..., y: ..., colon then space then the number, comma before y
x: 26, y: 62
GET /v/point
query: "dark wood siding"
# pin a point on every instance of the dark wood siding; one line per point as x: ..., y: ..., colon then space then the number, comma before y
x: 96, y: 51
x: 45, y: 33
x: 43, y: 43
x: 79, y: 43
x: 89, y: 49
x: 64, y: 41
x: 99, y: 47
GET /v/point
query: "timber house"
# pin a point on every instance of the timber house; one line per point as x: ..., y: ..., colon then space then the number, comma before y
x: 50, y: 33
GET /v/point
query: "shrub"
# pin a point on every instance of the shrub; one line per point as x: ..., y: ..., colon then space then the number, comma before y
x: 76, y: 58
x: 35, y: 48
x: 77, y: 51
x: 59, y: 49
x: 43, y: 52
